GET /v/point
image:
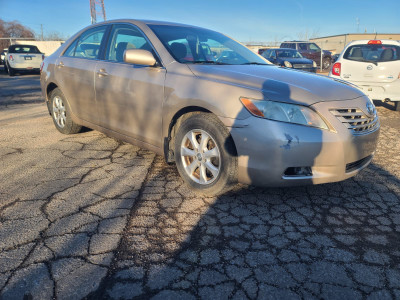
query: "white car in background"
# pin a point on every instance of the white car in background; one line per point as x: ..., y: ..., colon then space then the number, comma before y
x: 372, y: 65
x: 23, y: 58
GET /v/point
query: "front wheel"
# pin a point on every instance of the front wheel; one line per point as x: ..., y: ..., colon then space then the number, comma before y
x: 205, y: 154
x: 61, y: 113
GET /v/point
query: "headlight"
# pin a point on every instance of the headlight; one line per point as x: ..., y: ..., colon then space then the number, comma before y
x: 314, y: 64
x: 284, y: 112
x: 287, y: 64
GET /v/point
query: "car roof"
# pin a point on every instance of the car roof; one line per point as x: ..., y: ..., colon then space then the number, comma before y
x: 144, y: 22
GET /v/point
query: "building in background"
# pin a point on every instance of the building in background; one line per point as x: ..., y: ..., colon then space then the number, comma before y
x: 336, y: 43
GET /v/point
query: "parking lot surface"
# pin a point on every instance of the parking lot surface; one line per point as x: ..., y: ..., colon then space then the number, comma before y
x: 88, y: 216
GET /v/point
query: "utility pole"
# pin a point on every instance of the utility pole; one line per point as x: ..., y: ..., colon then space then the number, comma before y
x: 97, y: 9
x: 358, y: 24
x: 41, y: 30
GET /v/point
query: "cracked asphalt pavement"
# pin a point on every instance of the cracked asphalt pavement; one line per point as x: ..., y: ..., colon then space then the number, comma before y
x: 86, y: 216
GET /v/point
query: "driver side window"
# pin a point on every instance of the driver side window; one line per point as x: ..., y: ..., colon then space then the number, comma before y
x: 124, y: 37
x: 314, y: 48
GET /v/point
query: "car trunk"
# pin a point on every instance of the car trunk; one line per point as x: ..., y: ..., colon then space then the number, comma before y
x: 381, y: 72
x: 32, y: 59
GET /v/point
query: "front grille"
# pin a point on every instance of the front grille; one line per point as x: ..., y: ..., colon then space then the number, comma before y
x: 357, y: 164
x: 356, y: 120
x: 302, y: 66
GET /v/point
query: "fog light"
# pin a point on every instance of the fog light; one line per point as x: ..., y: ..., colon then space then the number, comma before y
x: 298, y: 171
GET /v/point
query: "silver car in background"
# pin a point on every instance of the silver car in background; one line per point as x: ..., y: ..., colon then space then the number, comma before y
x: 204, y: 101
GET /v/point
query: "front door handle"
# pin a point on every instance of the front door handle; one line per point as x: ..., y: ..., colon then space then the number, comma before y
x: 102, y: 73
x: 60, y: 64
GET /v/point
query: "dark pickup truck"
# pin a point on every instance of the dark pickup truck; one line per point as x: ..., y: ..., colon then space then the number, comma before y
x: 311, y: 51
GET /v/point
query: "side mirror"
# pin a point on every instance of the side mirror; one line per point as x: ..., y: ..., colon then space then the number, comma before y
x: 139, y: 57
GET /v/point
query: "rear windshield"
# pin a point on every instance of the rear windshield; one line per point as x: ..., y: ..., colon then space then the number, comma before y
x: 372, y: 53
x: 23, y: 49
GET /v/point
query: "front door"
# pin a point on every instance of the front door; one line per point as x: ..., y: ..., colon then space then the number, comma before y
x: 129, y: 97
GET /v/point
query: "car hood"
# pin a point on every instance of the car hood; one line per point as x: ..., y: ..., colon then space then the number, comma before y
x: 296, y: 60
x: 279, y: 84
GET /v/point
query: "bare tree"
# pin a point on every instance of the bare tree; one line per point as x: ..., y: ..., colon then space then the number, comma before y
x: 13, y: 29
x: 55, y: 36
x: 307, y: 34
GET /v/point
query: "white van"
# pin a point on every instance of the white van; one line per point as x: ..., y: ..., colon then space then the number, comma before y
x: 372, y: 65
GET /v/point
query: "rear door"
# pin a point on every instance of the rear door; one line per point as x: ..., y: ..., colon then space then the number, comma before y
x: 75, y: 73
x: 371, y: 63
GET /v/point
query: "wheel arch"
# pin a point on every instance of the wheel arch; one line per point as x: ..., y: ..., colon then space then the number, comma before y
x: 177, y: 119
x: 50, y: 87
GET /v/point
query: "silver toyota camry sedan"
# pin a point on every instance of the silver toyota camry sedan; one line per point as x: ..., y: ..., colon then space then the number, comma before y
x: 222, y: 113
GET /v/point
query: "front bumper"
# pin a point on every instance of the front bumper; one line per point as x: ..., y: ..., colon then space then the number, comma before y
x: 266, y: 149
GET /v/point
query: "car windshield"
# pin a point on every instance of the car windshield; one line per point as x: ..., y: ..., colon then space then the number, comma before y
x: 288, y: 53
x: 23, y: 49
x: 372, y: 53
x: 191, y: 45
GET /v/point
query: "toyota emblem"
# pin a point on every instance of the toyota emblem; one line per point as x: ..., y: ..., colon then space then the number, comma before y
x: 369, y: 67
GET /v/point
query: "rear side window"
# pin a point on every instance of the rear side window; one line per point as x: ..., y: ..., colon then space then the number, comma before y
x: 372, y: 53
x: 88, y: 45
x: 71, y: 49
x: 23, y: 49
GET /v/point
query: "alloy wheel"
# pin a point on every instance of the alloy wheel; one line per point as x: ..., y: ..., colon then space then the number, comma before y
x: 59, y: 111
x: 200, y: 156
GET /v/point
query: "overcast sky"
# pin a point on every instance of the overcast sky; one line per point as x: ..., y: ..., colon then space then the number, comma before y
x: 244, y: 20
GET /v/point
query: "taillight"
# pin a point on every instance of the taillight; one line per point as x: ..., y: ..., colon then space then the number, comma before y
x: 41, y: 66
x: 11, y: 58
x: 375, y: 42
x: 42, y: 56
x: 336, y: 69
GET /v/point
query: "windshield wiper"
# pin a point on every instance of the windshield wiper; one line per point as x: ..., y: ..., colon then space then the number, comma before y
x: 255, y: 63
x: 372, y: 62
x: 367, y: 61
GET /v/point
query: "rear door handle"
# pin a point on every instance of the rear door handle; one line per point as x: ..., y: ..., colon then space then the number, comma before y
x: 102, y: 73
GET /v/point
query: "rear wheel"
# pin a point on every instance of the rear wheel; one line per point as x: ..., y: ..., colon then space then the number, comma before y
x: 397, y: 105
x: 61, y: 113
x: 11, y: 71
x: 205, y: 154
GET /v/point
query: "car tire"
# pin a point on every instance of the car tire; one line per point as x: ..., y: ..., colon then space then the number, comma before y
x: 61, y: 113
x: 326, y: 63
x: 10, y: 71
x: 205, y: 154
x: 397, y: 105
